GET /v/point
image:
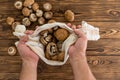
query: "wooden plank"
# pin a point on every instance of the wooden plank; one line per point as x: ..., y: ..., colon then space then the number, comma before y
x: 99, y: 65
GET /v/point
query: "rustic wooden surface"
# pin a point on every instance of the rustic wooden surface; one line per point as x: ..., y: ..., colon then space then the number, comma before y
x: 103, y: 55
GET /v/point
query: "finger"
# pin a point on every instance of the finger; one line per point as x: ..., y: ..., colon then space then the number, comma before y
x: 79, y: 33
x: 29, y: 32
x: 23, y: 39
x: 78, y: 26
x: 36, y: 27
x: 73, y: 26
x: 69, y: 24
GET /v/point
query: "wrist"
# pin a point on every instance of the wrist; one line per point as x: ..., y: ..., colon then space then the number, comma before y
x: 77, y: 57
x: 29, y: 63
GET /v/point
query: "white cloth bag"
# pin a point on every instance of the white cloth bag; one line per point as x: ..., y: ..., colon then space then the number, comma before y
x: 91, y: 33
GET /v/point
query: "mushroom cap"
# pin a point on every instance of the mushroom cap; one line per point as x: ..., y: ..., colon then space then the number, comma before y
x: 51, y: 21
x: 35, y: 6
x: 18, y: 4
x: 61, y: 56
x: 26, y: 22
x: 47, y: 6
x: 15, y: 24
x: 69, y: 15
x: 61, y: 34
x: 48, y: 15
x: 43, y: 41
x: 26, y: 11
x: 51, y: 48
x: 12, y: 50
x: 33, y: 17
x: 41, y: 20
x: 28, y: 2
x: 10, y: 20
x: 39, y: 13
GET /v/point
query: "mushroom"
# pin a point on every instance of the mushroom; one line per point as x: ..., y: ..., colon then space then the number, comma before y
x: 35, y: 6
x: 50, y: 30
x: 18, y: 5
x: 48, y: 38
x: 69, y: 15
x: 33, y: 17
x: 28, y: 3
x: 39, y: 13
x: 61, y: 56
x: 47, y: 55
x: 43, y: 41
x: 51, y: 21
x: 55, y: 58
x: 41, y: 20
x: 59, y: 45
x: 61, y: 34
x: 26, y: 22
x: 47, y: 6
x: 44, y: 33
x: 10, y: 20
x: 48, y: 15
x: 12, y: 50
x: 15, y: 24
x: 51, y: 48
x: 26, y: 11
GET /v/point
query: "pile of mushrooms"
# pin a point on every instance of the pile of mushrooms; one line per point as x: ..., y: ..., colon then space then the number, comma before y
x: 53, y: 39
x: 32, y: 13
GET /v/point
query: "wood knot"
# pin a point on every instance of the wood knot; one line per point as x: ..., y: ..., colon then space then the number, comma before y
x: 95, y: 62
x: 114, y: 13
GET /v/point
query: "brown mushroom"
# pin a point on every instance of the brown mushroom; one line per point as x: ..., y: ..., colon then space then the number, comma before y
x: 47, y: 55
x: 41, y: 20
x: 12, y: 50
x: 61, y: 34
x: 50, y: 30
x: 33, y: 17
x: 39, y: 13
x: 26, y: 22
x: 59, y: 45
x: 28, y: 2
x: 35, y: 6
x: 10, y: 20
x: 26, y: 11
x: 61, y: 56
x: 51, y: 21
x: 43, y: 41
x: 18, y: 5
x: 55, y: 58
x: 47, y: 6
x: 51, y: 48
x: 48, y: 38
x: 15, y: 24
x: 48, y: 15
x: 69, y: 15
x: 44, y: 33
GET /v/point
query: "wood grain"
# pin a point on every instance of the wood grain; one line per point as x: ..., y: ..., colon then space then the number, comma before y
x: 104, y: 67
x: 103, y: 55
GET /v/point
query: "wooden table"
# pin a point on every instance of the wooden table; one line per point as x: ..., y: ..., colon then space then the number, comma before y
x: 103, y: 55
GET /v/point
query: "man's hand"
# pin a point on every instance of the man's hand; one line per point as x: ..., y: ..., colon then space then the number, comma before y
x: 79, y: 48
x: 25, y: 52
